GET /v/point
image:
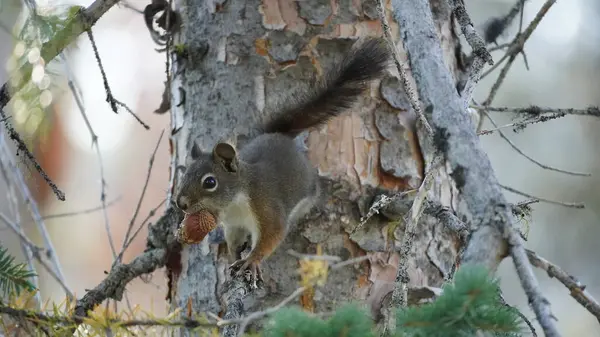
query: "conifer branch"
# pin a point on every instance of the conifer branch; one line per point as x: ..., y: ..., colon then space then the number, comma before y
x: 13, y: 276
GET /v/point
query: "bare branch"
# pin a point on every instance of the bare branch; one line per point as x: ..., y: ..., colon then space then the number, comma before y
x: 379, y: 205
x: 114, y: 103
x: 65, y: 320
x: 81, y: 212
x: 560, y: 203
x: 113, y: 286
x: 36, y: 254
x: 6, y: 158
x: 471, y: 169
x: 516, y: 48
x: 140, y: 200
x: 14, y: 209
x: 592, y: 111
x: 94, y: 137
x: 22, y: 147
x: 144, y: 222
x: 481, y: 54
x: 519, y: 151
x: 410, y: 91
x: 400, y: 292
x: 575, y: 287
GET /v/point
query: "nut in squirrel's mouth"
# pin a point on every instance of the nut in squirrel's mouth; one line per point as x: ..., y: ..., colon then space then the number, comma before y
x: 195, y: 226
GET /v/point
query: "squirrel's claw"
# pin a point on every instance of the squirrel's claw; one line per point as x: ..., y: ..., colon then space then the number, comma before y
x: 245, y: 266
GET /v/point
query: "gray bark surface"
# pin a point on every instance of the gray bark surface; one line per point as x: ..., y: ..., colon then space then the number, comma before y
x: 258, y: 51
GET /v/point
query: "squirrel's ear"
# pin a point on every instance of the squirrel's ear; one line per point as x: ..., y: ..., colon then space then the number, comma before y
x: 196, y: 152
x: 226, y: 154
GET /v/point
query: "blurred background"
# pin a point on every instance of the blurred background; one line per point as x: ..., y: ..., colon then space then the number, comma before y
x: 564, y: 65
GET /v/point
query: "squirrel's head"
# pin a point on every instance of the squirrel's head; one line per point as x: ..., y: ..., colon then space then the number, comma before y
x: 211, y: 180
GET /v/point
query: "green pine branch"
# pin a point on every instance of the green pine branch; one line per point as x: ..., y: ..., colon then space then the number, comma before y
x: 468, y: 305
x: 13, y: 276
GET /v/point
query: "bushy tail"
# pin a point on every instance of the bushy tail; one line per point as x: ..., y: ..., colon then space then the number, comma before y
x: 337, y: 91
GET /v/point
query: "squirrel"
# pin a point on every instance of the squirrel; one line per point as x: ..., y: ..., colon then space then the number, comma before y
x: 260, y: 190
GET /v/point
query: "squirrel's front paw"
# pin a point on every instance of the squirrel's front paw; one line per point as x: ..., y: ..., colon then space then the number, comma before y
x: 246, y: 266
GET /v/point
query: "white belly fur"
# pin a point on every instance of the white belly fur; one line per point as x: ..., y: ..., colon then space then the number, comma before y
x: 238, y: 217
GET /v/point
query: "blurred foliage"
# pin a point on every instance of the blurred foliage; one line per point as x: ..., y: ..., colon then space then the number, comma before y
x: 30, y: 105
x: 13, y: 276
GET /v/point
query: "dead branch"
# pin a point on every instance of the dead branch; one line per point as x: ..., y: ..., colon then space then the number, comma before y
x: 481, y: 54
x: 140, y: 200
x: 514, y: 50
x: 575, y: 287
x: 519, y: 151
x: 113, y: 286
x: 494, y: 235
x: 592, y: 111
x: 559, y: 203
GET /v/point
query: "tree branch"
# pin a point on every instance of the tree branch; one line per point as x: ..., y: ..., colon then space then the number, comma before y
x: 472, y: 171
x: 577, y: 289
x: 114, y: 284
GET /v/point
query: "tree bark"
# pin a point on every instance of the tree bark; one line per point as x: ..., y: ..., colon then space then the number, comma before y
x: 242, y: 58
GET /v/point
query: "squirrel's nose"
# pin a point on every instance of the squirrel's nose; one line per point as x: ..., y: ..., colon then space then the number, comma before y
x: 183, y: 203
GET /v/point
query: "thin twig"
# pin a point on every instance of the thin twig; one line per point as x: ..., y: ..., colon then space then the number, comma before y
x: 517, y: 47
x: 518, y: 126
x: 140, y: 200
x: 94, y: 138
x: 114, y: 103
x: 36, y: 250
x: 127, y: 5
x: 14, y: 209
x: 81, y: 212
x: 408, y: 88
x: 22, y: 148
x: 150, y: 214
x: 499, y: 47
x: 34, y: 317
x: 480, y: 52
x: 560, y: 203
x: 32, y: 206
x: 400, y: 292
x: 519, y: 151
x: 592, y: 111
x: 378, y: 206
x: 575, y: 287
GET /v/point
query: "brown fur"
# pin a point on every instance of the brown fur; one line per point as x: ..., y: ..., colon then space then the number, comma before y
x: 267, y: 186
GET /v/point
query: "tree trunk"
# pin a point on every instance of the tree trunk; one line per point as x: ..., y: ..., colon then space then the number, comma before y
x: 242, y: 59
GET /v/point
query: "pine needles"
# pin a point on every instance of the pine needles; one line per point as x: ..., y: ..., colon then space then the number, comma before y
x: 468, y: 305
x: 13, y: 276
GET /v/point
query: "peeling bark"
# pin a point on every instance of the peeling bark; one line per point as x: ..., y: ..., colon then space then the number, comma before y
x: 259, y: 51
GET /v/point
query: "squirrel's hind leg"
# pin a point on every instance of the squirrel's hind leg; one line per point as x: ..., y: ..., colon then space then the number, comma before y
x: 237, y: 241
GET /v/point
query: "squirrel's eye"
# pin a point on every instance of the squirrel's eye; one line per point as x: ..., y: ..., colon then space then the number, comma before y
x: 209, y: 183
